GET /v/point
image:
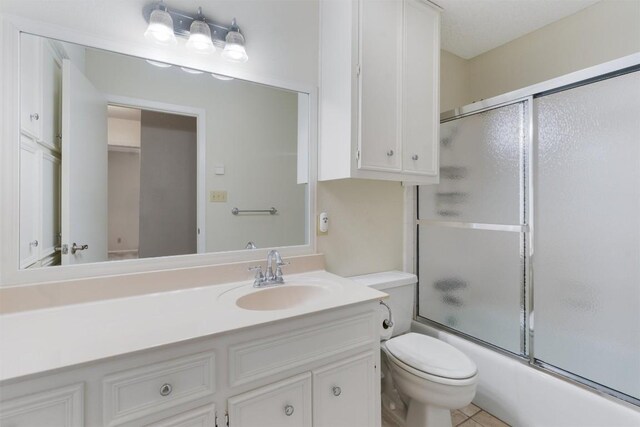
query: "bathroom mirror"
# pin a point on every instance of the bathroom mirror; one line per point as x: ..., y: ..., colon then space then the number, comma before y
x: 125, y: 158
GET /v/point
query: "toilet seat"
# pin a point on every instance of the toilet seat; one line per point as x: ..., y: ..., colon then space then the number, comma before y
x: 430, y: 358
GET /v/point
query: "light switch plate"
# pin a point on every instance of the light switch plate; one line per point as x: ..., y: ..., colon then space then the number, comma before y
x: 217, y: 196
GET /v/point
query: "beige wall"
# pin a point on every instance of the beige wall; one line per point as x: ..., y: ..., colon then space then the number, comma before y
x: 605, y: 31
x: 454, y: 81
x: 365, y: 225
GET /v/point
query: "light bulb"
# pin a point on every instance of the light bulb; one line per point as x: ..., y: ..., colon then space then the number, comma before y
x: 200, y: 37
x: 234, y: 49
x: 160, y: 29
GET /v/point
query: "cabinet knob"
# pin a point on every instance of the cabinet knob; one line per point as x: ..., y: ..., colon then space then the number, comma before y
x: 337, y: 391
x: 166, y: 389
x: 34, y: 116
x: 390, y: 153
x: 288, y: 410
x: 34, y: 244
x: 414, y: 157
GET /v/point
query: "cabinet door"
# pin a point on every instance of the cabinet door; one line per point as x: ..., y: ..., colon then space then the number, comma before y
x: 30, y: 85
x: 421, y: 68
x: 51, y: 97
x: 380, y: 85
x: 345, y: 394
x: 283, y: 404
x: 29, y: 203
x: 61, y: 407
x: 50, y: 204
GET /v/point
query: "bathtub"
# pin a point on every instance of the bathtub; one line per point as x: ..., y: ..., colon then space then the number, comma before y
x: 524, y: 396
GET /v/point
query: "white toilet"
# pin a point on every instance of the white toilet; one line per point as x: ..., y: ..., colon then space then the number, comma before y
x: 425, y: 378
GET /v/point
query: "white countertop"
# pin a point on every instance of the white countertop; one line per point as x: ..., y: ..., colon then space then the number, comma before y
x: 40, y: 340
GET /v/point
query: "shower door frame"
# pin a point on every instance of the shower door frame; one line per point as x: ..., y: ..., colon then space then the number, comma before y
x: 625, y: 65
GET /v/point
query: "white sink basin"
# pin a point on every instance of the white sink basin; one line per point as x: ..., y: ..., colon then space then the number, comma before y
x: 290, y: 295
x: 281, y: 297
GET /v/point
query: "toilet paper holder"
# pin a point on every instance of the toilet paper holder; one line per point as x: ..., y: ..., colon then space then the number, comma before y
x: 387, y: 323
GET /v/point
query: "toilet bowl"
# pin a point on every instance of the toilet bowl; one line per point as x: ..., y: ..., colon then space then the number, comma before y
x: 433, y: 376
x: 423, y: 378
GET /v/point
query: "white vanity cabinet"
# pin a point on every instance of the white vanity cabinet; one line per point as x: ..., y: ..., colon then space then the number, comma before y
x: 379, y: 90
x: 340, y: 394
x: 320, y: 370
x: 40, y: 130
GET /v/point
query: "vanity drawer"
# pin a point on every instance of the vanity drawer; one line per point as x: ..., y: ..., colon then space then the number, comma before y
x: 283, y: 404
x: 256, y: 359
x: 140, y: 392
x: 199, y: 417
x: 61, y: 407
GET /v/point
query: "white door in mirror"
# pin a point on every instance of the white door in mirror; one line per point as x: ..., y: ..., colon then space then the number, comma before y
x: 84, y: 167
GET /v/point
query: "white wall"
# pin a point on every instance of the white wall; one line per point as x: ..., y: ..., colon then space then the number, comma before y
x: 251, y: 130
x: 608, y: 30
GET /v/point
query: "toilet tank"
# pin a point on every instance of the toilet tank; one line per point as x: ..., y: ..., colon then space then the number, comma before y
x: 401, y: 289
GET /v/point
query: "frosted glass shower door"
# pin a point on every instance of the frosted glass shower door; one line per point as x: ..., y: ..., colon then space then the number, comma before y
x: 471, y: 229
x: 587, y: 232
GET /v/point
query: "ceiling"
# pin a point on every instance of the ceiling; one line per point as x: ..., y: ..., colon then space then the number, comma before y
x: 472, y: 27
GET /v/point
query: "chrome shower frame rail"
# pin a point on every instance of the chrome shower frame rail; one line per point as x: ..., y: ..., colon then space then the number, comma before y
x: 604, y: 71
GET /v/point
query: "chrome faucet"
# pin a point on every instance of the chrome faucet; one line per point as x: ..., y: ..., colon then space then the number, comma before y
x: 269, y: 277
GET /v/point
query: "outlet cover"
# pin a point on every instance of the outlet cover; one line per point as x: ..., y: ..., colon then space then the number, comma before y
x: 217, y: 196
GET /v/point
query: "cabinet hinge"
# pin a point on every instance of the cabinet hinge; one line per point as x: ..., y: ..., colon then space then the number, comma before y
x: 358, y: 155
x: 358, y: 70
x: 226, y: 420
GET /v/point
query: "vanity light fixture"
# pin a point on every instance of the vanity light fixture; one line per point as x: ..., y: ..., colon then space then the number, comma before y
x: 160, y: 29
x: 203, y: 36
x: 234, y: 49
x: 200, y: 37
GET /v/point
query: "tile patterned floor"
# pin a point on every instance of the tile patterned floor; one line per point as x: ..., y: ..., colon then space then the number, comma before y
x: 473, y: 416
x: 469, y: 416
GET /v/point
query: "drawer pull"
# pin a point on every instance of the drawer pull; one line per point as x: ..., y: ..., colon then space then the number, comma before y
x: 288, y: 410
x: 34, y: 244
x: 166, y: 389
x: 390, y: 153
x: 34, y: 116
x: 414, y: 157
x: 337, y: 391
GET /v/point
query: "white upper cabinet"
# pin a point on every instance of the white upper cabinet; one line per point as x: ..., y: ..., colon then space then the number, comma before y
x: 421, y: 74
x: 30, y: 86
x: 379, y: 97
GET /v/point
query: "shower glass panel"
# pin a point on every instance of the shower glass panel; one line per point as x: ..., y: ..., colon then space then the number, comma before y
x: 471, y: 228
x: 470, y: 280
x: 480, y: 169
x: 587, y: 232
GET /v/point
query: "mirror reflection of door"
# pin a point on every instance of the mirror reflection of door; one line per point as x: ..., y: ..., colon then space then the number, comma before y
x: 84, y: 168
x: 152, y: 205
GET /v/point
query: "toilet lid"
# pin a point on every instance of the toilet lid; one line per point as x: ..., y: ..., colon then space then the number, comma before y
x: 431, y: 356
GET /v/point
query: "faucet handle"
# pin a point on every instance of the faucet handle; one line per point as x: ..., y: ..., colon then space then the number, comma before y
x: 279, y: 266
x: 258, y: 270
